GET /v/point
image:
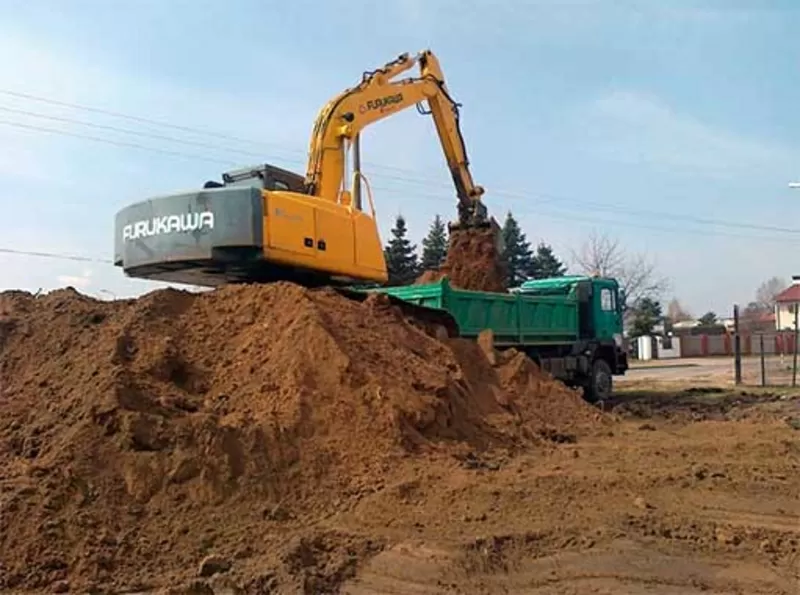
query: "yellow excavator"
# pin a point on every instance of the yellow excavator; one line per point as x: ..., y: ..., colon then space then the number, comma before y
x: 264, y: 223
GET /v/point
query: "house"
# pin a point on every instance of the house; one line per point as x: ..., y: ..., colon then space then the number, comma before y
x: 759, y: 322
x: 786, y: 304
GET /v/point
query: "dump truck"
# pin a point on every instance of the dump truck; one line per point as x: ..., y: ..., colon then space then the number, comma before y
x: 571, y: 326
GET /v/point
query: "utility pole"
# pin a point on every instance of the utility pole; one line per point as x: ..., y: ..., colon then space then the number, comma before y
x: 737, y: 346
x: 796, y: 308
x: 794, y: 350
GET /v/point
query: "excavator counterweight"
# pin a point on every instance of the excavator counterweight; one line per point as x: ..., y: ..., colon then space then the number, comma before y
x: 264, y: 223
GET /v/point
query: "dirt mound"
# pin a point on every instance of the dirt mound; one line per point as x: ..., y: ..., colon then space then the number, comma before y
x: 472, y: 262
x: 138, y: 437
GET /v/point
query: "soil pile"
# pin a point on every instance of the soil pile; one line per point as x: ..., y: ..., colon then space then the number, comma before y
x: 137, y: 437
x: 473, y: 262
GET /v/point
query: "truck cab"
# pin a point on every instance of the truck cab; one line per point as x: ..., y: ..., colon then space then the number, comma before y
x: 600, y: 349
x: 602, y: 301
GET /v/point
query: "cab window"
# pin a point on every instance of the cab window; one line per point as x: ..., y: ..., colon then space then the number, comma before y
x: 607, y: 300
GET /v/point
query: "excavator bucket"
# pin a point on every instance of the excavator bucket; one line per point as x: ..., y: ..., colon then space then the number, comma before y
x: 475, y: 216
x: 489, y: 224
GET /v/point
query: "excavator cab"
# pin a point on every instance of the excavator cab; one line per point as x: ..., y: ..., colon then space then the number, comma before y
x: 264, y: 176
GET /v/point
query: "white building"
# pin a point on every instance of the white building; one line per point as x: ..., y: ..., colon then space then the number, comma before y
x: 786, y: 304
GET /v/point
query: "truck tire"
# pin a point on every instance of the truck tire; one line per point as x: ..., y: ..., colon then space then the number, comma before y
x: 600, y: 386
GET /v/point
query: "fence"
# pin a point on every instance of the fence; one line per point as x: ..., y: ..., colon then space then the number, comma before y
x: 763, y: 368
x: 774, y: 343
x: 765, y: 358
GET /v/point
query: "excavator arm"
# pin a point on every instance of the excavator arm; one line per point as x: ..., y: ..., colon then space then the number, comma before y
x: 378, y: 96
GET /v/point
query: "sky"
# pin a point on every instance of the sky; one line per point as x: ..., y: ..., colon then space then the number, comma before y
x: 670, y: 127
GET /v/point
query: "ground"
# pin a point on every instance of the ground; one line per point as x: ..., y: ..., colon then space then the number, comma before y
x: 689, y: 490
x: 265, y: 440
x: 717, y: 370
x: 776, y: 369
x: 692, y: 491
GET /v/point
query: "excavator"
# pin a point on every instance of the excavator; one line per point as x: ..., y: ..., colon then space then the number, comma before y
x: 264, y: 223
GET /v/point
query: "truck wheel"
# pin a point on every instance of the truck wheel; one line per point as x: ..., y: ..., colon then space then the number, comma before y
x: 600, y: 384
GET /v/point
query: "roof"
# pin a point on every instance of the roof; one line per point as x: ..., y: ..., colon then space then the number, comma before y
x: 790, y: 294
x: 564, y: 283
x: 760, y: 317
x: 553, y: 282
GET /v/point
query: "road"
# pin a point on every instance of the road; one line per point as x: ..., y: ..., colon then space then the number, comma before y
x: 719, y: 369
x: 714, y: 370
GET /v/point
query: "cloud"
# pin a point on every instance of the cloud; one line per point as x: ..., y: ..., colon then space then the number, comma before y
x: 82, y: 281
x: 24, y: 153
x: 42, y: 69
x: 261, y: 123
x: 638, y: 128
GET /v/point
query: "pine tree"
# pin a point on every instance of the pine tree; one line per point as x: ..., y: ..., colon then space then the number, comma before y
x: 517, y: 255
x: 646, y: 316
x: 434, y: 246
x: 546, y: 264
x: 708, y: 319
x: 401, y: 255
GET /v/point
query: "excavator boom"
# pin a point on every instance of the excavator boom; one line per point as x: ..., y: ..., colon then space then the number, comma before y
x: 377, y: 97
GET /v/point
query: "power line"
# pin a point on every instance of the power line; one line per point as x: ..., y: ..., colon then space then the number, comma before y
x: 142, y: 147
x: 126, y: 131
x: 122, y: 115
x: 115, y: 142
x: 566, y: 215
x: 259, y: 155
x: 661, y: 214
x: 184, y: 128
x: 54, y: 255
x: 403, y: 179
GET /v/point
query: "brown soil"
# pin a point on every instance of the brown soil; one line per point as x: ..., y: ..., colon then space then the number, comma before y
x: 472, y: 262
x: 139, y: 437
x: 278, y: 440
x: 688, y: 492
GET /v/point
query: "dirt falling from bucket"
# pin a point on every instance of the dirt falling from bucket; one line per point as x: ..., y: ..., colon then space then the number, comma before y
x: 473, y: 262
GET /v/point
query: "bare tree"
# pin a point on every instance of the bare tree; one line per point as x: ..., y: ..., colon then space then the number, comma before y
x: 756, y: 315
x: 753, y: 317
x: 600, y: 255
x: 676, y: 312
x: 768, y: 291
x: 604, y: 256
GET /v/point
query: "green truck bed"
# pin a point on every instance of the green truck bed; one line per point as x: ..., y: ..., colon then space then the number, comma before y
x: 515, y: 319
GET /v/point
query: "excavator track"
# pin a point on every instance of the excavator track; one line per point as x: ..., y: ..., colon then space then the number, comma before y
x: 437, y: 323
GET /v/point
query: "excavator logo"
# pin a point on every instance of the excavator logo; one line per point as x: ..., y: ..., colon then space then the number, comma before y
x: 168, y: 224
x: 380, y: 104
